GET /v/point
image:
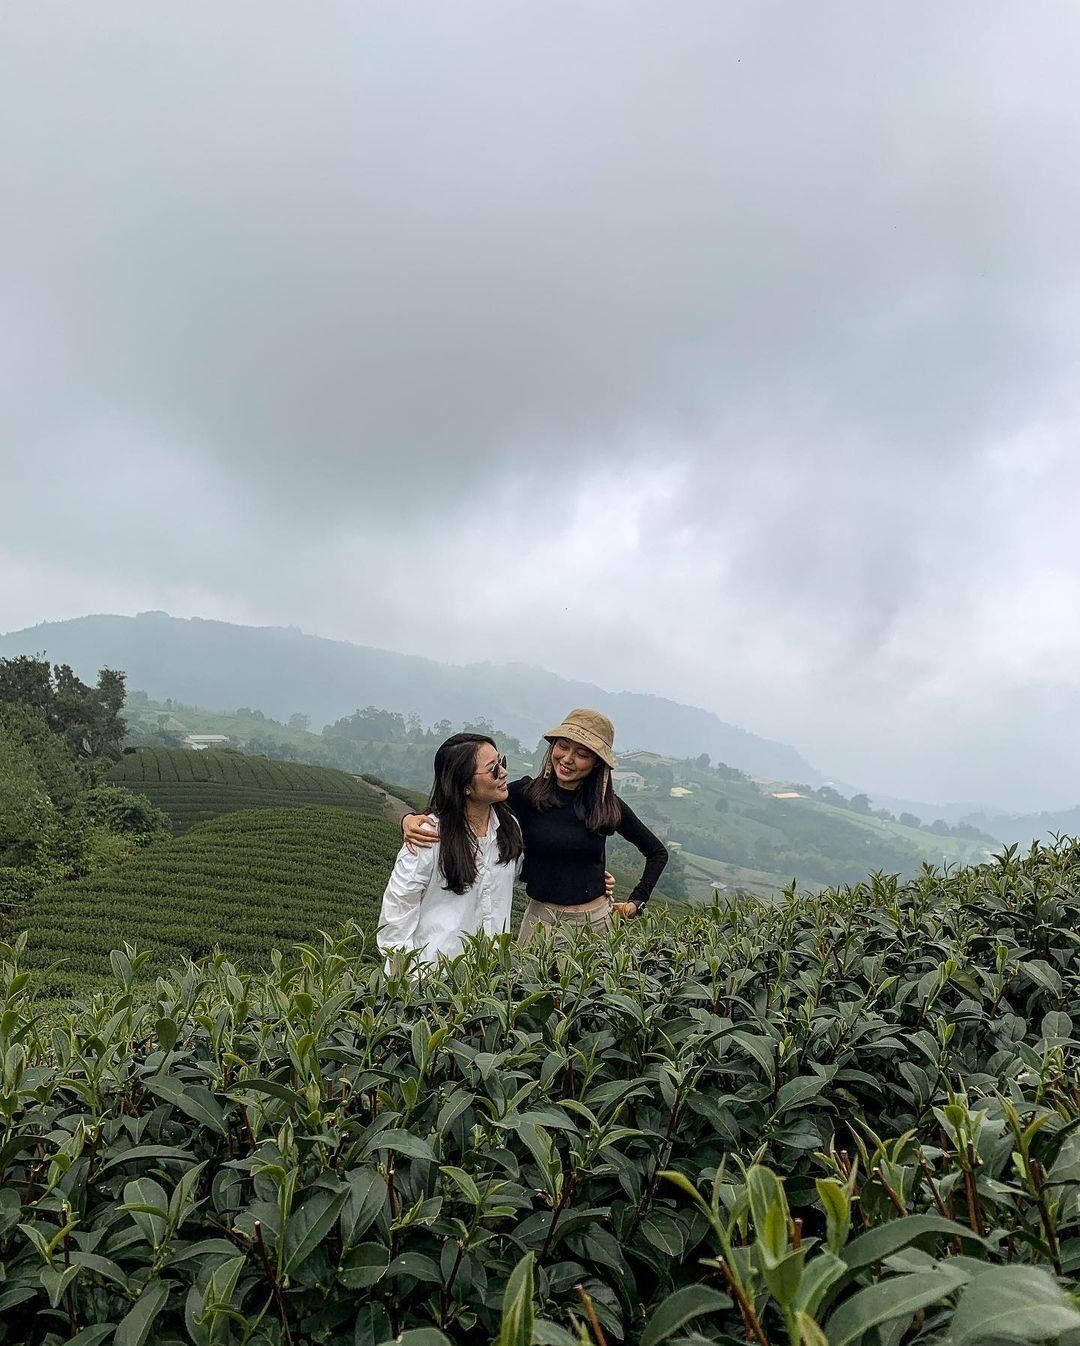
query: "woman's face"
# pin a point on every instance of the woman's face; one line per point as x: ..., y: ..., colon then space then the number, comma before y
x: 572, y: 762
x: 489, y: 779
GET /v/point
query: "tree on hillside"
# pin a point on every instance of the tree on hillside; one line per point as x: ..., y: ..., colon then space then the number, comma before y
x: 30, y: 827
x: 372, y: 725
x: 910, y: 820
x: 87, y: 718
x: 52, y: 759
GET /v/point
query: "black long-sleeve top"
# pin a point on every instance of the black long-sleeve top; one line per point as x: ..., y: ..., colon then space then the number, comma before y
x: 564, y: 861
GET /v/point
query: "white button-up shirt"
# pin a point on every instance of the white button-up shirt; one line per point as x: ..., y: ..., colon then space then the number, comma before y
x: 420, y: 912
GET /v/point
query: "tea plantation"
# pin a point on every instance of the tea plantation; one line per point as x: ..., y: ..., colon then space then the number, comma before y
x: 850, y: 1119
x: 246, y: 883
x: 193, y: 786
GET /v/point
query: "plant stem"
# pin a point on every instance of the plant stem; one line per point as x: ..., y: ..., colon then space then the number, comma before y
x: 890, y: 1191
x: 268, y: 1268
x: 752, y: 1323
x: 590, y: 1313
x: 1038, y: 1178
x: 934, y: 1193
x: 560, y: 1206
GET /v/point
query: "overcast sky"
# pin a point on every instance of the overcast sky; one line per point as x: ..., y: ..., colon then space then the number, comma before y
x: 723, y: 350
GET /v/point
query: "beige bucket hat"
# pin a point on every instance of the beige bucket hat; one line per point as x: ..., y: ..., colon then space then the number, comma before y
x: 589, y: 728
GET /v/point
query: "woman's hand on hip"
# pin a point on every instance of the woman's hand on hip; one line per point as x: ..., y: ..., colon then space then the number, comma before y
x: 609, y: 883
x: 419, y: 831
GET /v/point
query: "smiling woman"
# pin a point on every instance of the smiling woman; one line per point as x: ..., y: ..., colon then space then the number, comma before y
x: 566, y: 813
x: 464, y: 883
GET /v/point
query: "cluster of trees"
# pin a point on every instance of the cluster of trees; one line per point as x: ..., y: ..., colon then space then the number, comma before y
x: 87, y: 719
x: 721, y: 769
x: 383, y: 742
x: 374, y: 725
x: 58, y: 737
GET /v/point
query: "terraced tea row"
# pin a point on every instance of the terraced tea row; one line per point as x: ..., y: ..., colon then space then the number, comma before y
x: 246, y: 883
x: 194, y: 786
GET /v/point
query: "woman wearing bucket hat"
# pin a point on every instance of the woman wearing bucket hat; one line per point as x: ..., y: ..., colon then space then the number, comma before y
x: 566, y: 814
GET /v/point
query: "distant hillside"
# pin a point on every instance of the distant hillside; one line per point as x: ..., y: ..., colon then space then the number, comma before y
x: 281, y: 670
x: 193, y: 786
x: 1027, y: 827
x: 728, y: 830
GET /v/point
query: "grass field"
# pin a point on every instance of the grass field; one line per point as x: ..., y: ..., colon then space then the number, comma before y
x: 245, y: 883
x: 194, y: 786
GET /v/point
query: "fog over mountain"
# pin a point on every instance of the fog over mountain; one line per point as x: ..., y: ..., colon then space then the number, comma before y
x: 726, y: 353
x: 221, y: 667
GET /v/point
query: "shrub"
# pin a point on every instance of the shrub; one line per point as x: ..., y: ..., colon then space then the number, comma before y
x: 124, y: 813
x: 843, y: 1119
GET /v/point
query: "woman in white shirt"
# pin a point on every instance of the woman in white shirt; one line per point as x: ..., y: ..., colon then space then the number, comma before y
x: 465, y: 882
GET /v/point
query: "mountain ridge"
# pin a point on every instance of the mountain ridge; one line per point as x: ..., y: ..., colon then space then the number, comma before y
x: 281, y: 670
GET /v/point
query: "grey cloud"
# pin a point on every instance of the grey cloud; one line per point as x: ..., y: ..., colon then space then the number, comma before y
x: 354, y: 272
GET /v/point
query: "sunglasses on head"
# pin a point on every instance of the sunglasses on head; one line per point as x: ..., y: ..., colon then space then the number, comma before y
x: 495, y: 770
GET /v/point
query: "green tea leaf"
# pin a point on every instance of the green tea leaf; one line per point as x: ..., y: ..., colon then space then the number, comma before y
x: 835, y: 1199
x: 363, y: 1265
x: 309, y: 1225
x: 92, y: 1336
x: 1022, y: 1303
x: 547, y: 1333
x: 879, y: 1243
x: 274, y: 1088
x: 402, y: 1142
x: 467, y: 1186
x: 819, y: 1276
x: 680, y: 1308
x: 898, y: 1297
x: 366, y: 1198
x: 665, y: 1235
x: 517, y: 1316
x: 140, y: 1152
x: 134, y: 1327
x: 166, y: 1032
x: 56, y: 1280
x: 798, y: 1091
x: 193, y: 1099
x: 417, y: 1265
x: 101, y: 1266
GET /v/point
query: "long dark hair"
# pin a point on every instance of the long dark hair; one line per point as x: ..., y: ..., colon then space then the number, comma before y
x: 455, y: 767
x: 595, y: 801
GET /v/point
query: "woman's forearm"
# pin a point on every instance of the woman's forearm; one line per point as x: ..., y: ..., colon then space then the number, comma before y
x: 632, y: 829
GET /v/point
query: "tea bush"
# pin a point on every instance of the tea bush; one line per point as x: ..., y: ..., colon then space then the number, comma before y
x: 192, y: 786
x: 246, y: 884
x: 852, y: 1118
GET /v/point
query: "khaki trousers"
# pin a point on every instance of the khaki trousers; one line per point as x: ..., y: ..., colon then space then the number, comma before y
x: 597, y: 915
